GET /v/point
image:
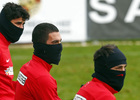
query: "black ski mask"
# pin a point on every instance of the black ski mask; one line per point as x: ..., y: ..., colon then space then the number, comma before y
x: 49, y: 53
x: 103, y: 72
x: 10, y: 31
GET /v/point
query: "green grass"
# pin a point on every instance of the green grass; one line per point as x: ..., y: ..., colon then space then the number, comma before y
x: 76, y: 67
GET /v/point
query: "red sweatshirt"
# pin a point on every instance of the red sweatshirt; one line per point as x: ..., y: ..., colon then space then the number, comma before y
x: 95, y: 90
x: 6, y: 71
x: 35, y: 81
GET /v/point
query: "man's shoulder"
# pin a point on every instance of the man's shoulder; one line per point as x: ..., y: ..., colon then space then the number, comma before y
x: 34, y: 71
x: 95, y: 90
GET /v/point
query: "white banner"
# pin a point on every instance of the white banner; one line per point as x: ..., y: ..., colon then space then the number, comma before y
x: 68, y: 15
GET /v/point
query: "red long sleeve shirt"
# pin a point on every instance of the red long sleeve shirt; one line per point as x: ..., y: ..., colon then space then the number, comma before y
x: 6, y: 71
x: 95, y: 90
x: 35, y: 81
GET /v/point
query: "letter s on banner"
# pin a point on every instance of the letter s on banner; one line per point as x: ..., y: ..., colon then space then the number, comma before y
x: 110, y: 10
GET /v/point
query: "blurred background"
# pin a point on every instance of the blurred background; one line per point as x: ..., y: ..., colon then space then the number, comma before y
x: 85, y: 25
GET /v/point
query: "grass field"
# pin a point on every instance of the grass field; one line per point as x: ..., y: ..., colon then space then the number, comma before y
x: 76, y: 67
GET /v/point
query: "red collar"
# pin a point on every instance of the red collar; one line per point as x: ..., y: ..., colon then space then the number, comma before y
x: 106, y: 85
x: 44, y: 63
x: 3, y: 40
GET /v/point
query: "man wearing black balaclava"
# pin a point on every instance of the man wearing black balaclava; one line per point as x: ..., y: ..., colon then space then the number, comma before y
x: 109, y: 75
x: 12, y: 19
x: 34, y: 79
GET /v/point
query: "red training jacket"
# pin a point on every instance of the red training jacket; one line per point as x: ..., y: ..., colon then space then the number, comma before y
x: 6, y: 71
x: 95, y: 90
x: 35, y: 81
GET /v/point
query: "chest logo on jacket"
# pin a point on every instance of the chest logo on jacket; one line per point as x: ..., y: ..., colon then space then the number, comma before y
x: 9, y: 70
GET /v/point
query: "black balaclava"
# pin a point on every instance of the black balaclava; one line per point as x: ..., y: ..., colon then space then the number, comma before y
x: 49, y: 53
x: 10, y: 31
x: 103, y: 72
